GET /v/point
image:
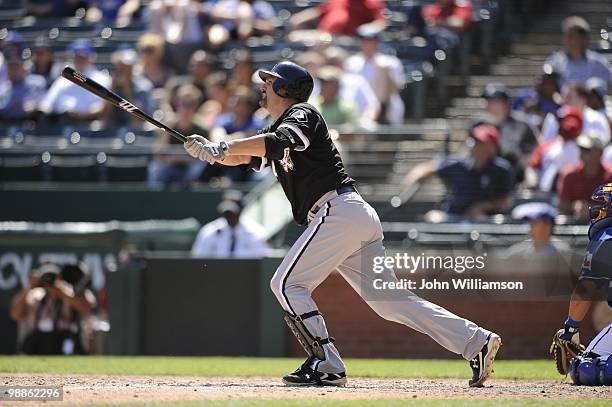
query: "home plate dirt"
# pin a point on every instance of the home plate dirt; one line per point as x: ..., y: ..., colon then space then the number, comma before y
x: 82, y: 389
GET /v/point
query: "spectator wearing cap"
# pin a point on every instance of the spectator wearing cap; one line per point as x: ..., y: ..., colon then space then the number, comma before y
x: 541, y: 100
x: 446, y: 20
x: 230, y: 236
x: 578, y: 181
x: 552, y: 156
x: 597, y: 97
x: 336, y: 111
x: 541, y: 252
x: 44, y: 62
x: 478, y: 185
x: 151, y: 48
x: 340, y: 17
x: 517, y: 137
x: 576, y: 63
x: 68, y: 100
x: 384, y: 73
x: 166, y: 169
x: 20, y: 93
x: 135, y: 88
x: 576, y: 95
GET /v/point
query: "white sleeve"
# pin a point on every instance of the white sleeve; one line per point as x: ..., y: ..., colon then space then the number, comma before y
x: 204, y: 244
x: 47, y: 103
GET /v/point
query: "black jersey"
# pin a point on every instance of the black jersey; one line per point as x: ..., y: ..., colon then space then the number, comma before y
x: 311, y: 164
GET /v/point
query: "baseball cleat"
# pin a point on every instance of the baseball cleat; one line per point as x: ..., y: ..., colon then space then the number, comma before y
x: 482, y: 364
x: 305, y: 376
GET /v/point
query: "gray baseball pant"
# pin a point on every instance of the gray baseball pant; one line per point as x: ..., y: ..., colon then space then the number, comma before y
x: 344, y: 235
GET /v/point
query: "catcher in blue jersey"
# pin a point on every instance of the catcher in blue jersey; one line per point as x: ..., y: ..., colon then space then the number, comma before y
x: 591, y: 365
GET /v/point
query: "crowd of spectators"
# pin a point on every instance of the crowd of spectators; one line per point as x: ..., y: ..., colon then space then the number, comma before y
x: 543, y: 133
x: 554, y: 138
x: 354, y: 90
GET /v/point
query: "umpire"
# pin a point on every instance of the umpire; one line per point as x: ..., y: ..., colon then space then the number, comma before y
x: 342, y: 231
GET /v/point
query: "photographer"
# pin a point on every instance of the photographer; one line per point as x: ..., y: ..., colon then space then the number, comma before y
x: 54, y: 304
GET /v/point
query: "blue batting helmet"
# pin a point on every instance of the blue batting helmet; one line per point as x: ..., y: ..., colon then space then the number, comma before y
x: 292, y: 81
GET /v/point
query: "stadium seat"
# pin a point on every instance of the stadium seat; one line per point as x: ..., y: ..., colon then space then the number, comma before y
x: 74, y: 168
x: 126, y: 168
x: 21, y: 168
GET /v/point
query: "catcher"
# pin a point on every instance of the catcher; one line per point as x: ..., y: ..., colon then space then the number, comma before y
x: 593, y: 365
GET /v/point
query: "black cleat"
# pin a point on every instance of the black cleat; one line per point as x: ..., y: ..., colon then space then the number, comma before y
x: 305, y: 376
x: 482, y: 364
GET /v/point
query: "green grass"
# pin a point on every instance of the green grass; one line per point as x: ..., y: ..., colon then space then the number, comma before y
x: 366, y: 403
x: 250, y: 366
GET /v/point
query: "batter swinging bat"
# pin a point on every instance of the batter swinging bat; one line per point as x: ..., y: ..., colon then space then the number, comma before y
x: 94, y: 87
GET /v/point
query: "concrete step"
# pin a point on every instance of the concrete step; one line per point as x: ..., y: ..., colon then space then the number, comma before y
x: 511, y: 81
x: 513, y: 70
x: 522, y: 60
x: 533, y: 49
x: 469, y: 102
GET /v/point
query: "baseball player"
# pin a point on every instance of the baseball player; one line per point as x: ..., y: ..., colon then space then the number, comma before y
x: 342, y: 231
x: 593, y: 365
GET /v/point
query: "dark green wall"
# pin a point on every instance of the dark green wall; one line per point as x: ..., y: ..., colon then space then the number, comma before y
x: 169, y: 306
x: 67, y: 203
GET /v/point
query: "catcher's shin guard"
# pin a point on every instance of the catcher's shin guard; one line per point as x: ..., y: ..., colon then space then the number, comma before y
x: 312, y: 345
x: 591, y: 371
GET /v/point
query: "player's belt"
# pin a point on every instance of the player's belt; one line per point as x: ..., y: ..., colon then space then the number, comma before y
x: 327, y: 196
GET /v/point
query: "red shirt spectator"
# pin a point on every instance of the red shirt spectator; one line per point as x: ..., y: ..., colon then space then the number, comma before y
x: 577, y: 181
x: 455, y: 15
x: 344, y: 16
x: 576, y: 185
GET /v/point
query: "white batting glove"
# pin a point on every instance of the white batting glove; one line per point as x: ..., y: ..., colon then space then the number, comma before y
x: 217, y: 150
x: 195, y: 148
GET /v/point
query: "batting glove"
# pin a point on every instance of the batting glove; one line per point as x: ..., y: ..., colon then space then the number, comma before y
x: 217, y: 150
x: 195, y: 148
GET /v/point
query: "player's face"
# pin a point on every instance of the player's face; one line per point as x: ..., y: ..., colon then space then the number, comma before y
x: 267, y: 92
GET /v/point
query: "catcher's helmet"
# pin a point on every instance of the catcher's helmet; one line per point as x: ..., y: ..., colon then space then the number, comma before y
x: 292, y: 81
x: 600, y: 205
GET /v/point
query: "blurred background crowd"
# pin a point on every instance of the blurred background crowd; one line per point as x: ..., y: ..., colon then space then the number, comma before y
x: 481, y: 113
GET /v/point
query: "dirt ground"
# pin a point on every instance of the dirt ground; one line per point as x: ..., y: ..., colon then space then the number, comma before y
x: 83, y: 389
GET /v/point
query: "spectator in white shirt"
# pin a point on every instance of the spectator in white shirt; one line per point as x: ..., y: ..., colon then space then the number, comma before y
x: 69, y: 100
x: 576, y: 95
x: 230, y: 236
x: 385, y: 73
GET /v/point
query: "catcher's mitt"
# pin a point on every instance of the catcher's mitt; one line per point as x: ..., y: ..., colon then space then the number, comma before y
x: 563, y: 351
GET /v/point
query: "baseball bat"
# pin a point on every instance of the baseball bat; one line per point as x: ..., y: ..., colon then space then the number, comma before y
x: 94, y: 87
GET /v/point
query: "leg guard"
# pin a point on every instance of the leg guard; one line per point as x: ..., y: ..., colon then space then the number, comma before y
x: 312, y: 345
x: 591, y: 371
